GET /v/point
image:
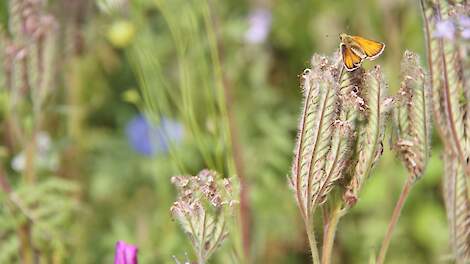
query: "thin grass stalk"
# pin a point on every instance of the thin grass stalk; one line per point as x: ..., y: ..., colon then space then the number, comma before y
x: 230, y: 133
x: 182, y: 39
x: 411, y: 136
x: 151, y: 108
x: 394, y: 220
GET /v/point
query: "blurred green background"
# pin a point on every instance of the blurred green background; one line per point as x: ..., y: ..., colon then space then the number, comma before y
x: 121, y: 58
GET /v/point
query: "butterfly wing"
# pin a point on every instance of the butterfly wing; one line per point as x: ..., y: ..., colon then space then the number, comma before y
x: 371, y: 48
x: 350, y: 59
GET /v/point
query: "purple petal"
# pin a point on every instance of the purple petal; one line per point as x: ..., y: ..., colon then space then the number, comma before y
x: 445, y: 29
x: 125, y: 253
x: 260, y: 26
x: 148, y: 140
x: 464, y: 21
x: 139, y: 134
x: 466, y: 33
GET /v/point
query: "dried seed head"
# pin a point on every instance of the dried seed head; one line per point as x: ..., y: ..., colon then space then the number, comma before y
x: 411, y: 137
x: 369, y: 146
x: 325, y: 134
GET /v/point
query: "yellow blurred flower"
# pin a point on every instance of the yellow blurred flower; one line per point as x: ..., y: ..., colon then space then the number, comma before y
x: 131, y: 96
x: 121, y: 33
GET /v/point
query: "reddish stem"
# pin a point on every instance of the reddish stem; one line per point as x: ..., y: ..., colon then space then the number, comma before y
x: 394, y: 220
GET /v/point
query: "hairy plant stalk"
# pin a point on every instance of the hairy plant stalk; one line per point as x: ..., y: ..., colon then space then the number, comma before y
x: 393, y: 221
x: 411, y: 133
x: 330, y: 231
x: 451, y: 114
x: 312, y: 242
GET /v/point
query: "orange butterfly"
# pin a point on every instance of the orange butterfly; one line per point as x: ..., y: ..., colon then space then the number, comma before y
x: 355, y: 49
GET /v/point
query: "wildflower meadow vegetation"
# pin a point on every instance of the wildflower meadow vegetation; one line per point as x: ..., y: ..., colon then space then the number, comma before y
x: 204, y: 131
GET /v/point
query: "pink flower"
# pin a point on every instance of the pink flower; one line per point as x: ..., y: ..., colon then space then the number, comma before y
x: 125, y: 253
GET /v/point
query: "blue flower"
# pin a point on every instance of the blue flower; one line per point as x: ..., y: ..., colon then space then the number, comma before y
x: 464, y: 22
x: 149, y: 140
x: 445, y: 29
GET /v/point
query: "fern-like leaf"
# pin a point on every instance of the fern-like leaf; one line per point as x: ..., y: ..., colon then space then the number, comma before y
x: 47, y: 207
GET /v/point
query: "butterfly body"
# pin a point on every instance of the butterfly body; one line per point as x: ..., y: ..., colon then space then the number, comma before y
x: 355, y: 49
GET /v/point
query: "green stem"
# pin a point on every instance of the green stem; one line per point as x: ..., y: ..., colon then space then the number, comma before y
x: 394, y: 220
x: 330, y: 232
x: 203, y: 239
x: 26, y: 249
x: 312, y: 242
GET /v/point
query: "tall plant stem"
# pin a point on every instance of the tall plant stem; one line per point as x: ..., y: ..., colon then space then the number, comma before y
x: 4, y: 184
x: 226, y: 106
x: 330, y: 233
x: 30, y: 169
x: 312, y: 241
x: 394, y: 220
x: 24, y: 231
